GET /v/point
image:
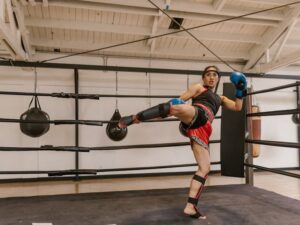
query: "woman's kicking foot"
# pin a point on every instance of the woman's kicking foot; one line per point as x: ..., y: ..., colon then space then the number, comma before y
x: 192, y: 211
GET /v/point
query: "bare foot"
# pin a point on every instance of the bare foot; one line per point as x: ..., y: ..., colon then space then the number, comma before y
x: 191, y: 211
x: 122, y: 125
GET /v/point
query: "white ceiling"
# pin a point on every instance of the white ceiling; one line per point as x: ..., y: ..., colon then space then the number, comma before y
x: 266, y: 40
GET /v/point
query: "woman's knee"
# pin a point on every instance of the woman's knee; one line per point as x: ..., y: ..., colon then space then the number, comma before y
x: 203, y: 170
x: 178, y: 109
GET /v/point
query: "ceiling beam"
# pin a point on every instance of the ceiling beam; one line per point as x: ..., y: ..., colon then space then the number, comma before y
x: 152, y: 42
x: 267, y: 55
x: 295, y: 43
x: 157, y: 20
x: 284, y: 39
x: 32, y: 2
x: 24, y: 2
x: 189, y: 7
x: 218, y: 4
x: 86, y: 26
x: 268, y: 2
x: 270, y: 37
x: 2, y: 10
x: 11, y: 18
x: 135, y: 48
x: 281, y: 62
x: 45, y: 3
x: 22, y: 28
x: 183, y: 9
x: 11, y: 37
x: 139, y: 30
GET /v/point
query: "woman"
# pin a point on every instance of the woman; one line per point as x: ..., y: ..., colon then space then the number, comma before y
x: 196, y: 122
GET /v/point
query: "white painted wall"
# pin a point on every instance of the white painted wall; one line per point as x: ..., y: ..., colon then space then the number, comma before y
x: 279, y: 128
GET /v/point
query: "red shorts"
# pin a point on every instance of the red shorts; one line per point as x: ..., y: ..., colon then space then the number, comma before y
x: 201, y: 134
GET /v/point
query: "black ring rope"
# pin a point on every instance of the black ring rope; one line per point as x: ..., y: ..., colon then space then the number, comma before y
x: 94, y: 171
x: 46, y: 148
x: 60, y: 173
x: 102, y: 148
x: 274, y: 89
x: 84, y: 96
x: 56, y: 122
x: 82, y: 122
x: 274, y: 143
x: 273, y: 170
x: 148, y: 145
x: 98, y: 96
x: 274, y: 113
x: 67, y: 172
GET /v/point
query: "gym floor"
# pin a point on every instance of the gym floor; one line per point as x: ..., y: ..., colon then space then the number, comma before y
x: 280, y: 184
x: 128, y: 202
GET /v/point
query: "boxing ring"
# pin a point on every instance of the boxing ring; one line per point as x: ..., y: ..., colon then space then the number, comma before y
x: 225, y: 204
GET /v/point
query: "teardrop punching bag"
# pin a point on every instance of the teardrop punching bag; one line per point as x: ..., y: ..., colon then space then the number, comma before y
x: 113, y: 131
x: 34, y: 113
x: 296, y: 119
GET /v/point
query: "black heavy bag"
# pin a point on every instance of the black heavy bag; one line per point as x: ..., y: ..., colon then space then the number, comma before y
x: 113, y: 131
x: 296, y: 118
x: 35, y: 113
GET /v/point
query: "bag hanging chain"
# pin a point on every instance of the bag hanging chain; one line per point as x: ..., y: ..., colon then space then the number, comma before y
x: 117, y: 90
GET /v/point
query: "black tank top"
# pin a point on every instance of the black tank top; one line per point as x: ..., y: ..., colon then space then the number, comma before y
x: 209, y: 99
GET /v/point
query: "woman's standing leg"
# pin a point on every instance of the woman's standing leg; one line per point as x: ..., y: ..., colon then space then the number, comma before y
x: 203, y: 160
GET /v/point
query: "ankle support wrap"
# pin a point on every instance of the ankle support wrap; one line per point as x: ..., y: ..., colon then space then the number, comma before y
x: 199, y: 179
x: 194, y: 200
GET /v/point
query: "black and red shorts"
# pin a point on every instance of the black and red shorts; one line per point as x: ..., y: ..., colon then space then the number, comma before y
x: 202, y: 133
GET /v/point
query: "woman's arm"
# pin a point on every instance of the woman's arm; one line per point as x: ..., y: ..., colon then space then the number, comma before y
x: 232, y: 105
x: 192, y: 91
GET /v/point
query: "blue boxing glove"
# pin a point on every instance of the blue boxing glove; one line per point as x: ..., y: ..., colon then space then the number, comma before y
x: 240, y: 83
x: 176, y: 101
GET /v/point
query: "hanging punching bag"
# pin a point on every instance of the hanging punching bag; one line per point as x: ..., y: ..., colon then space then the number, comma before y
x: 113, y: 131
x: 256, y: 130
x: 35, y: 113
x: 296, y: 119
